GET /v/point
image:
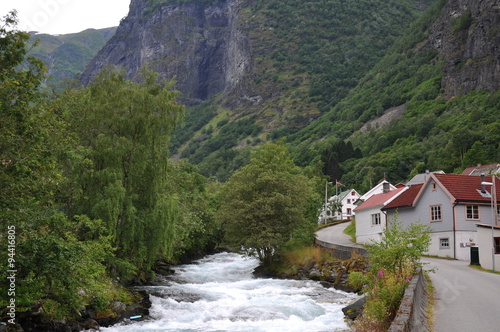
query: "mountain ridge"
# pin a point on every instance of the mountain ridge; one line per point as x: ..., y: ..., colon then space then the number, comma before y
x: 67, y: 55
x: 313, y: 73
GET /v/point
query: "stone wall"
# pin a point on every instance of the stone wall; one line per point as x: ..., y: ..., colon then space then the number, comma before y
x: 340, y: 251
x: 412, y: 313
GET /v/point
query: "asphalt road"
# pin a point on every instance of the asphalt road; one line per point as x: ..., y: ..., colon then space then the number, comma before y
x: 466, y: 299
x: 335, y: 234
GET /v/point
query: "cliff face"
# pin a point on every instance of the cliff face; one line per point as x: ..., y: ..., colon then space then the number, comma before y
x: 199, y: 45
x: 209, y: 47
x: 467, y: 35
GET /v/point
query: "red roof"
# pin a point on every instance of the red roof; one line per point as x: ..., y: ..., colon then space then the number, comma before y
x: 465, y: 187
x: 379, y: 199
x: 406, y: 198
x: 479, y: 168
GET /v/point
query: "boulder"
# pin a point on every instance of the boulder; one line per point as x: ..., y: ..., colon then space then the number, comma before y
x: 353, y: 310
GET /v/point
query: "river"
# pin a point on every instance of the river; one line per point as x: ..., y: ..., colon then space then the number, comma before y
x: 219, y: 293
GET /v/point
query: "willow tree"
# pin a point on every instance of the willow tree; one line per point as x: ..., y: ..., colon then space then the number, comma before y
x: 121, y: 172
x: 265, y: 202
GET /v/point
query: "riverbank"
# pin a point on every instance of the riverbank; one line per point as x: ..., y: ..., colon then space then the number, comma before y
x: 91, y: 317
x: 315, y: 263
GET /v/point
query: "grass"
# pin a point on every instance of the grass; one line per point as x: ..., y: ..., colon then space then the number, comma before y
x: 351, y: 230
x: 431, y: 301
x: 439, y: 257
x: 308, y: 256
x: 478, y: 267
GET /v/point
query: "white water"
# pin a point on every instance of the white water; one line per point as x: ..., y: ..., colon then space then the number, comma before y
x: 219, y: 293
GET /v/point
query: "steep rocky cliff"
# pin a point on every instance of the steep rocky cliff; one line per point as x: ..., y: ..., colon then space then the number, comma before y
x: 198, y: 44
x: 467, y: 35
x: 311, y: 71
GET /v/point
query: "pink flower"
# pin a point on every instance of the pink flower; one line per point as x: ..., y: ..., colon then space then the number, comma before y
x: 380, y: 273
x: 408, y: 278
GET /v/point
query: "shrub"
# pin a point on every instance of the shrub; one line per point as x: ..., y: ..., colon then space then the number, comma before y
x: 393, y: 261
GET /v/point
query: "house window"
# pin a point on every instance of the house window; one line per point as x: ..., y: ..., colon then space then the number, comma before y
x: 434, y: 186
x: 348, y: 211
x: 375, y: 219
x: 348, y: 201
x: 472, y: 212
x: 436, y: 213
x: 353, y: 193
x: 497, y: 245
x: 444, y: 243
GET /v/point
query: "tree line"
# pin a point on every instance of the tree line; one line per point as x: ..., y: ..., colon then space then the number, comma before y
x: 96, y: 202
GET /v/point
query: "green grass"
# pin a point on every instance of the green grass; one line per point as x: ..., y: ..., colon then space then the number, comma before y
x: 478, y: 267
x: 351, y: 230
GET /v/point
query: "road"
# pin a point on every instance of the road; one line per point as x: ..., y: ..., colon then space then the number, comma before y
x: 335, y: 234
x: 466, y: 299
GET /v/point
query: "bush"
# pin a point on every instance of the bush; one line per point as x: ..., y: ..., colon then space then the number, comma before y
x: 393, y: 262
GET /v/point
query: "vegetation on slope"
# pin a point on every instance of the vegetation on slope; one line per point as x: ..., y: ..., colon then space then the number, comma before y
x: 433, y: 133
x: 66, y: 56
x: 308, y: 56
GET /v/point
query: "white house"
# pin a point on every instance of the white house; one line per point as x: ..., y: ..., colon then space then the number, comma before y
x: 345, y: 200
x: 370, y: 221
x: 451, y: 205
x: 380, y: 188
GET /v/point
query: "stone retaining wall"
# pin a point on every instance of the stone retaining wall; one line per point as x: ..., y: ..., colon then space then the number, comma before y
x: 412, y: 313
x: 342, y: 252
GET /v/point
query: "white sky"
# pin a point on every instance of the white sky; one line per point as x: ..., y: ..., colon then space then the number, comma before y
x: 65, y: 16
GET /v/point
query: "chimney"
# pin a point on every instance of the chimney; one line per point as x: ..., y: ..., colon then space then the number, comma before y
x: 386, y: 187
x: 483, y: 188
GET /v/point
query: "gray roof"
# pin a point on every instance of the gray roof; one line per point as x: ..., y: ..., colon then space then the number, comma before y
x: 421, y: 178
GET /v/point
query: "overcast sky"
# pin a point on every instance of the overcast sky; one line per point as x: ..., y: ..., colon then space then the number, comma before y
x: 65, y: 16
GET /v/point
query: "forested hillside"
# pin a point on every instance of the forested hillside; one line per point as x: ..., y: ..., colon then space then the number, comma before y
x: 422, y: 100
x: 306, y: 57
x: 424, y: 127
x: 66, y: 56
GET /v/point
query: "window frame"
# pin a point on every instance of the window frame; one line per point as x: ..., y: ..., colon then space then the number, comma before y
x: 497, y: 245
x: 433, y: 213
x: 375, y: 217
x: 473, y: 207
x: 441, y: 246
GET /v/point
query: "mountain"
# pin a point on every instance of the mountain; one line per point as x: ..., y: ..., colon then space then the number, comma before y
x: 66, y: 56
x: 366, y: 87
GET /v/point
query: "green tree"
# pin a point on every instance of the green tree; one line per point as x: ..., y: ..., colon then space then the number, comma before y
x: 195, y: 228
x: 54, y: 262
x: 265, y: 202
x: 124, y: 128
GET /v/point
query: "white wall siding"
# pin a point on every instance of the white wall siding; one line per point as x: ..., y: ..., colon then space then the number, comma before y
x: 485, y: 241
x: 463, y: 244
x: 435, y: 248
x: 365, y: 231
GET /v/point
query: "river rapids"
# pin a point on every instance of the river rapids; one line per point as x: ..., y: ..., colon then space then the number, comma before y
x: 220, y: 293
